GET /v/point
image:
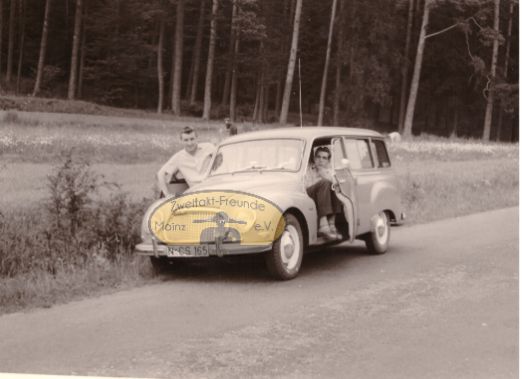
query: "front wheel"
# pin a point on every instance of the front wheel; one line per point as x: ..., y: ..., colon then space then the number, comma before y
x: 284, y: 260
x: 378, y: 239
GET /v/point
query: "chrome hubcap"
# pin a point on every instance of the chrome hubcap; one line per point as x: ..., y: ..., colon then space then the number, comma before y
x: 381, y: 228
x: 290, y: 247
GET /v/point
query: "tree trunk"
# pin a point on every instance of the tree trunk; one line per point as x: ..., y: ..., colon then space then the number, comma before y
x: 207, y: 102
x: 67, y: 31
x: 283, y: 48
x: 161, y: 84
x: 260, y: 94
x: 266, y: 102
x: 21, y: 15
x: 1, y: 35
x: 279, y: 90
x: 326, y: 66
x: 75, y: 48
x: 410, y: 110
x: 178, y: 59
x: 233, y: 82
x: 455, y: 123
x: 291, y: 64
x: 393, y: 107
x: 492, y: 74
x: 43, y: 49
x: 417, y: 19
x: 10, y: 43
x: 79, y: 92
x: 337, y: 92
x: 197, y: 54
x: 338, y: 64
x: 258, y: 98
x: 506, y: 66
x: 405, y: 66
x: 228, y: 75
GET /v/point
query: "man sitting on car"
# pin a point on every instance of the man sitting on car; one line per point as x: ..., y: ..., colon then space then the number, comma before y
x: 191, y: 162
x: 318, y: 182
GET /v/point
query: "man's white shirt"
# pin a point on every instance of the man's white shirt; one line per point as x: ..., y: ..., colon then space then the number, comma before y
x: 191, y: 166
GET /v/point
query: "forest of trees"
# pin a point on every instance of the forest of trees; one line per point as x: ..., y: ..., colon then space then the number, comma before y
x: 444, y: 67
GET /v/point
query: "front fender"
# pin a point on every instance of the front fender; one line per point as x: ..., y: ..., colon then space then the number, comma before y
x: 300, y: 201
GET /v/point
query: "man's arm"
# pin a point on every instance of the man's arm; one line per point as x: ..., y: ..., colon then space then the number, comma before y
x: 165, y: 173
x: 325, y: 174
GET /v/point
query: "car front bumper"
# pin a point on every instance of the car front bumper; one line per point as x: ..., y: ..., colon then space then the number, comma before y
x: 156, y: 249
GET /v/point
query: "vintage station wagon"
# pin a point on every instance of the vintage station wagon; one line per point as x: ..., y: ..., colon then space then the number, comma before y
x: 270, y: 165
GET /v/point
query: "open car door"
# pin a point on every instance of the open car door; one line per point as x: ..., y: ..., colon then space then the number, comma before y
x: 345, y: 184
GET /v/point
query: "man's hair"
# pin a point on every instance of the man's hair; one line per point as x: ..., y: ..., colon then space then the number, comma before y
x: 187, y: 130
x: 323, y: 149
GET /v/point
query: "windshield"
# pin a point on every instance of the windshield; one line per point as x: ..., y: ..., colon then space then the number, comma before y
x: 259, y: 155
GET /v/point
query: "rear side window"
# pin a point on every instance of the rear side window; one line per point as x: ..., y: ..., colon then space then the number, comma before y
x: 383, y: 160
x: 358, y: 153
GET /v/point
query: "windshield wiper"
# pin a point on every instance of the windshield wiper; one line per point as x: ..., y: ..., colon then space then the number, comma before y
x: 257, y: 168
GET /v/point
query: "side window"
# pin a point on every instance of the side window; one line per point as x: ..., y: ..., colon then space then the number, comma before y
x: 337, y: 151
x: 358, y: 152
x: 353, y: 154
x: 364, y: 153
x: 383, y: 160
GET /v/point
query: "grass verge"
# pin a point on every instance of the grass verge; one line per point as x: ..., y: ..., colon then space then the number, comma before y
x: 437, y: 190
x: 41, y: 288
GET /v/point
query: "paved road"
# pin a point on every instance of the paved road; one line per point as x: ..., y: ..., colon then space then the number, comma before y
x: 442, y: 303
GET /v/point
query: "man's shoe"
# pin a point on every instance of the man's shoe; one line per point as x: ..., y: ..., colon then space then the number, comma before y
x: 334, y: 230
x: 327, y: 234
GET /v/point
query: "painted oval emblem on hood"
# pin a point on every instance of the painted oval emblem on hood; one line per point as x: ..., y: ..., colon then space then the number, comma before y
x: 217, y: 217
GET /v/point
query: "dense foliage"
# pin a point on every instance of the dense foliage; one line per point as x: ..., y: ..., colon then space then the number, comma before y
x: 117, y: 42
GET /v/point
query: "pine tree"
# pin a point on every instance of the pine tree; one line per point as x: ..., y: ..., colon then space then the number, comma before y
x: 21, y: 43
x: 493, y: 71
x: 178, y: 59
x: 408, y: 122
x: 291, y: 64
x: 43, y: 49
x: 196, y: 55
x: 10, y: 42
x: 405, y: 65
x: 326, y: 65
x: 71, y: 92
x: 161, y: 42
x: 207, y: 103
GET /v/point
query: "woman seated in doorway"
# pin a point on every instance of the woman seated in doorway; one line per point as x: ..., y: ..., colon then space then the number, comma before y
x: 318, y: 182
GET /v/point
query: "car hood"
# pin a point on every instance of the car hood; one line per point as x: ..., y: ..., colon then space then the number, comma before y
x: 256, y: 183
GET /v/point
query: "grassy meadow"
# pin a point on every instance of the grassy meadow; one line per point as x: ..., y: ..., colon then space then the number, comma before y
x: 115, y: 160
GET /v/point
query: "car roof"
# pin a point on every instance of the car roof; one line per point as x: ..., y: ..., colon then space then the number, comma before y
x: 306, y: 132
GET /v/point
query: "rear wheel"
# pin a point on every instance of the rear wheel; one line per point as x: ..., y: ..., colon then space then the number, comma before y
x: 284, y: 260
x: 378, y: 239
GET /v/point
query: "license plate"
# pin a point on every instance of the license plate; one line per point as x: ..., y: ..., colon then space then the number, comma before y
x: 188, y: 251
